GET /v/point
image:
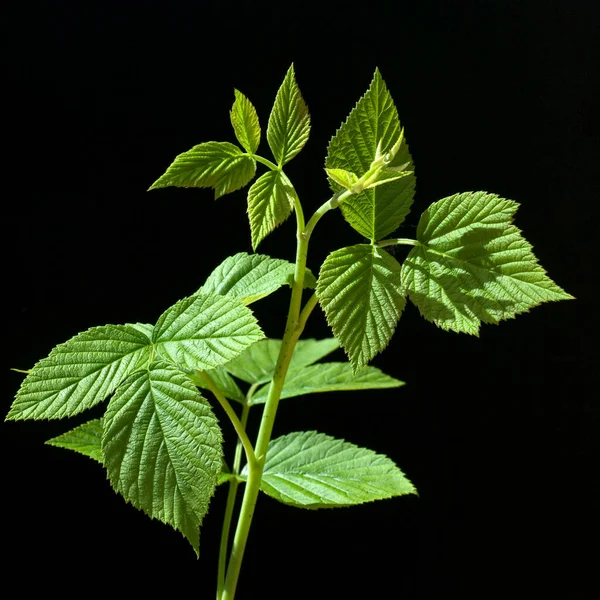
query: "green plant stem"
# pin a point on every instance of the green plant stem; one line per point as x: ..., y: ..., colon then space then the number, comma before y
x: 293, y: 330
x: 398, y: 241
x: 231, y: 495
x: 332, y: 203
x: 239, y: 428
x: 266, y: 162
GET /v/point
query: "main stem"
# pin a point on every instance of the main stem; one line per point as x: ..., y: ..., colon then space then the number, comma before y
x: 293, y: 329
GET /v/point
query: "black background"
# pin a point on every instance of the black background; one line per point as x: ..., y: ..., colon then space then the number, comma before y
x: 499, y: 433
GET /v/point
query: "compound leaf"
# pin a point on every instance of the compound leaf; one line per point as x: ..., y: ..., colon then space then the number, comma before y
x: 313, y: 470
x: 329, y: 377
x: 162, y: 447
x: 251, y: 277
x: 81, y: 372
x: 270, y: 203
x: 85, y: 439
x: 289, y: 122
x: 245, y: 122
x: 218, y: 165
x: 205, y: 331
x: 473, y: 265
x: 373, y: 123
x: 360, y: 291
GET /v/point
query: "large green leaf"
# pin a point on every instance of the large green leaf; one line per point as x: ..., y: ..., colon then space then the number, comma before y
x: 360, y: 291
x: 270, y: 203
x: 329, y: 377
x: 205, y: 331
x: 313, y: 470
x: 223, y: 381
x: 473, y: 265
x: 85, y: 439
x: 373, y: 123
x: 162, y: 447
x: 219, y: 165
x: 257, y: 363
x: 251, y: 277
x: 245, y: 122
x: 81, y: 372
x: 289, y: 122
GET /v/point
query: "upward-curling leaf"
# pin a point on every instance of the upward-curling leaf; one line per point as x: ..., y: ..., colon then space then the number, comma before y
x: 359, y: 289
x: 245, y: 123
x: 162, y: 447
x: 473, y: 265
x: 81, y: 372
x: 251, y: 277
x: 289, y: 122
x: 373, y: 124
x: 218, y: 165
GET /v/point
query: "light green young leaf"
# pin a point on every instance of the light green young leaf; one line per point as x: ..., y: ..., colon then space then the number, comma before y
x: 313, y: 470
x: 329, y: 377
x: 219, y: 165
x: 270, y: 203
x: 162, y: 447
x: 205, y: 331
x: 473, y: 265
x: 223, y: 382
x: 81, y: 372
x: 245, y: 123
x: 289, y: 122
x: 251, y: 277
x: 85, y: 439
x: 373, y: 122
x: 346, y: 179
x: 257, y: 363
x: 360, y: 291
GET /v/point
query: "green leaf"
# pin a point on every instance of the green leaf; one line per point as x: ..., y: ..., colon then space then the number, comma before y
x: 251, y: 277
x: 373, y: 123
x: 360, y: 291
x: 223, y: 382
x: 205, y: 331
x: 245, y: 122
x: 473, y: 265
x: 81, y: 372
x: 219, y: 165
x: 329, y: 377
x: 270, y: 203
x: 85, y: 439
x: 162, y: 447
x: 313, y: 470
x: 344, y: 178
x: 289, y: 122
x: 257, y: 363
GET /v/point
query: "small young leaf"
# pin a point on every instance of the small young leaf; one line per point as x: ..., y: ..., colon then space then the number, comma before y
x: 329, y: 377
x: 270, y: 203
x: 346, y: 179
x: 373, y: 123
x: 162, y: 447
x: 223, y: 381
x: 245, y: 123
x: 359, y: 289
x: 289, y: 122
x: 205, y: 331
x: 313, y: 470
x: 251, y: 277
x: 81, y: 372
x: 473, y: 265
x: 257, y: 363
x: 85, y: 439
x: 219, y: 165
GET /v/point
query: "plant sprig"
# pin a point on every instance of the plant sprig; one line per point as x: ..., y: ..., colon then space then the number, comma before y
x: 159, y: 439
